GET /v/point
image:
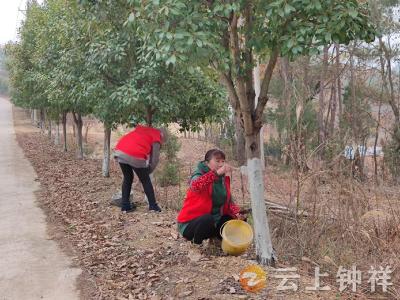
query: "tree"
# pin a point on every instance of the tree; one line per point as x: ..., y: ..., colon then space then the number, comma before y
x: 128, y: 90
x: 81, y: 58
x: 384, y: 18
x: 47, y: 67
x: 232, y: 37
x: 3, y: 72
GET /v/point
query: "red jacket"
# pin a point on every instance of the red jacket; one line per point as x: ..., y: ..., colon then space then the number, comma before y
x: 137, y: 143
x: 198, y: 200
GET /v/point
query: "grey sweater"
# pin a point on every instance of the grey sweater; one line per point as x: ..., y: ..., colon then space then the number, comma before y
x: 151, y: 163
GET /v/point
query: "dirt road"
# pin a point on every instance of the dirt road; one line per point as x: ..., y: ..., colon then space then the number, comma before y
x: 31, y: 265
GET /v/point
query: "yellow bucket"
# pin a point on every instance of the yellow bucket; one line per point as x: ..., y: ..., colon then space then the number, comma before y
x: 237, y: 236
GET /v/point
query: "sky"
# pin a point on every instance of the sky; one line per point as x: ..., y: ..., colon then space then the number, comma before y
x: 10, y: 18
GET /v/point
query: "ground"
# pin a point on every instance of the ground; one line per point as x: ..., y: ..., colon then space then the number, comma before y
x: 140, y: 255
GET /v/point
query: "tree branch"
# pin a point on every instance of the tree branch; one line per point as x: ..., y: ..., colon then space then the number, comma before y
x: 233, y: 97
x: 263, y: 98
x: 235, y: 52
x: 248, y: 57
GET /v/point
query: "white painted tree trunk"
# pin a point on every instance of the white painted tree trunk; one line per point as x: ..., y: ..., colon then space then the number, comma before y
x: 35, y: 117
x: 262, y: 237
x: 64, y: 125
x: 49, y: 130
x: 106, y: 152
x: 57, y: 137
x: 262, y: 157
x: 79, y: 139
x: 257, y: 88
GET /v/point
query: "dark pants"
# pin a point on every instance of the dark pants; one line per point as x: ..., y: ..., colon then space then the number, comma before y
x: 144, y: 177
x: 203, y: 228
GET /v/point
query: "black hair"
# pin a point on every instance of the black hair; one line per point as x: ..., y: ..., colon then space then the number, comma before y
x: 214, y: 153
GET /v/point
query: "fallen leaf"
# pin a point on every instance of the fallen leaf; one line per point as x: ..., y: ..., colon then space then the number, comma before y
x: 185, y: 294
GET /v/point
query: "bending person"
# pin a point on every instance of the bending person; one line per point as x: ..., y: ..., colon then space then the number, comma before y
x: 138, y: 151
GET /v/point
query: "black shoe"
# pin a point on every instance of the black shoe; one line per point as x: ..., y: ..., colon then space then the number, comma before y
x: 155, y: 207
x: 129, y: 209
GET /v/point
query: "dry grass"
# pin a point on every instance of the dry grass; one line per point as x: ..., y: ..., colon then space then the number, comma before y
x: 348, y: 223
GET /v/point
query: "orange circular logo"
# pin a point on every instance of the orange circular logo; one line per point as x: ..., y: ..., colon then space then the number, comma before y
x: 253, y: 278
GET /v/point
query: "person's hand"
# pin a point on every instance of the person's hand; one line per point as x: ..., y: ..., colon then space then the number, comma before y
x: 224, y: 169
x: 241, y: 216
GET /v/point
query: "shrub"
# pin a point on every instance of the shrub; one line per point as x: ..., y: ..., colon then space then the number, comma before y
x: 169, y: 174
x: 171, y: 147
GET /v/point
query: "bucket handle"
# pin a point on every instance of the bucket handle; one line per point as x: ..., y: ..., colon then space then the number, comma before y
x: 222, y: 227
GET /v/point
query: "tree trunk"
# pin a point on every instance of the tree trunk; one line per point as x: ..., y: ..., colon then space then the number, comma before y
x: 262, y: 237
x: 257, y: 88
x: 384, y: 85
x: 64, y: 124
x: 240, y: 142
x: 392, y: 99
x: 57, y: 137
x: 35, y: 117
x: 49, y: 129
x: 353, y: 97
x: 87, y: 127
x: 333, y: 110
x: 287, y: 79
x: 42, y: 120
x: 321, y: 101
x: 149, y: 116
x: 339, y: 88
x: 376, y: 140
x: 79, y: 139
x: 74, y: 130
x: 212, y: 135
x: 287, y: 106
x: 107, y: 151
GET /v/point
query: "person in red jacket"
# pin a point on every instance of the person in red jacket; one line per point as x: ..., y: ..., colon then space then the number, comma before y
x: 138, y: 151
x: 208, y: 203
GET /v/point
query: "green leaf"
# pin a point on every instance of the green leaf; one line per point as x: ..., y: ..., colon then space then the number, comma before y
x: 131, y: 17
x: 288, y: 9
x: 171, y: 60
x: 353, y: 13
x: 328, y: 37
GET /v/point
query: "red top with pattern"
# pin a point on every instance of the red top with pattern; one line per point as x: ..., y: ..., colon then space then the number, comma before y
x: 137, y: 143
x: 198, y: 200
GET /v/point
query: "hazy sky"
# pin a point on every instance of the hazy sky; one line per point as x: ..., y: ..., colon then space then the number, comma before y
x: 9, y: 18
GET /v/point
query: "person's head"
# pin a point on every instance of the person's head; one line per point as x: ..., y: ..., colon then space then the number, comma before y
x: 214, y: 159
